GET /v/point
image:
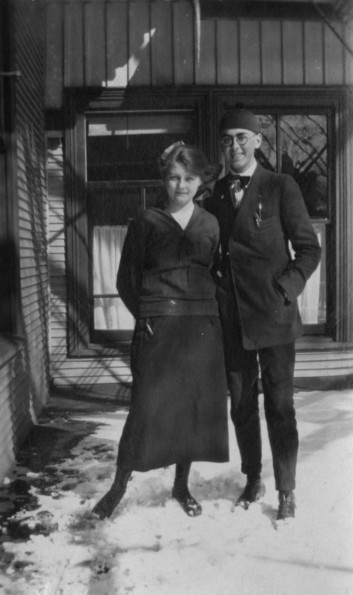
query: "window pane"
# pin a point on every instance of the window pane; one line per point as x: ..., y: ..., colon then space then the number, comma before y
x: 127, y: 146
x: 304, y: 156
x: 113, y: 205
x: 155, y: 196
x: 110, y: 314
x: 109, y: 311
x: 312, y: 302
x: 267, y: 154
x: 116, y: 205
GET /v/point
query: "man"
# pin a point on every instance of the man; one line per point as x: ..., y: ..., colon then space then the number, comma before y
x: 259, y: 212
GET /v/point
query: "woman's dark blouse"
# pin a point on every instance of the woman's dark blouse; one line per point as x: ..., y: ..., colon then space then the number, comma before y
x: 164, y: 269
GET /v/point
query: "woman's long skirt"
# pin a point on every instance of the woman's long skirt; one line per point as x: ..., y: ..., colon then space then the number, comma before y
x: 178, y: 407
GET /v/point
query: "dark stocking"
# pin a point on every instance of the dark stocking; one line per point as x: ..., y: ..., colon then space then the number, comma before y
x: 181, y: 491
x: 104, y: 508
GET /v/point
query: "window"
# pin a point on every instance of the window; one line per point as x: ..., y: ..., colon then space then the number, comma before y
x: 122, y: 179
x: 114, y: 176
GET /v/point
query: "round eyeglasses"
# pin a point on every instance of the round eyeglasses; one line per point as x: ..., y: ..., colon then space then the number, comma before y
x: 241, y: 138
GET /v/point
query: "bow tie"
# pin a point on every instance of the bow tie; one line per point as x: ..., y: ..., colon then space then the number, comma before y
x: 239, y: 182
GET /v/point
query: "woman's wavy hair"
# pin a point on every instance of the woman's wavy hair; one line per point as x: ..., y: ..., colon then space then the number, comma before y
x: 189, y: 156
x: 194, y: 161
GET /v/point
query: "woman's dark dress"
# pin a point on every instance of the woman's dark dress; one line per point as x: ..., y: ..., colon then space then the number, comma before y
x: 178, y: 408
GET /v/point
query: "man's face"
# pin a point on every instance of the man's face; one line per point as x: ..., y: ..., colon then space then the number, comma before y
x: 239, y: 147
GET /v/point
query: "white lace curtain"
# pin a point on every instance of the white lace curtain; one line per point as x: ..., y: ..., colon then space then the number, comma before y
x: 109, y: 312
x: 309, y: 300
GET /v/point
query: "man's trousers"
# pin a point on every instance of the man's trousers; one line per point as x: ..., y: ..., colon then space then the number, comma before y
x: 277, y: 370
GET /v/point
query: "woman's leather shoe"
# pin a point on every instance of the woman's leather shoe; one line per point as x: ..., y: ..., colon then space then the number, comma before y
x: 104, y: 508
x: 187, y: 502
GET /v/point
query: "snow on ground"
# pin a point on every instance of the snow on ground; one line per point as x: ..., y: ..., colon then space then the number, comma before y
x: 150, y: 546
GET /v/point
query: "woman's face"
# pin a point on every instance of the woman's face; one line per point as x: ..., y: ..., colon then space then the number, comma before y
x: 181, y: 186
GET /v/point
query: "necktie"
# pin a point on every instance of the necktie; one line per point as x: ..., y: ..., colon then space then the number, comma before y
x: 239, y: 181
x: 236, y: 186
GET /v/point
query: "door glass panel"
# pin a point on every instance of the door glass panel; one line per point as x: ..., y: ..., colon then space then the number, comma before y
x: 304, y: 156
x: 155, y: 196
x: 127, y: 146
x: 299, y: 148
x: 110, y: 210
x: 109, y: 310
x: 117, y: 205
x: 267, y: 153
x: 312, y: 302
x: 303, y: 147
x: 113, y: 205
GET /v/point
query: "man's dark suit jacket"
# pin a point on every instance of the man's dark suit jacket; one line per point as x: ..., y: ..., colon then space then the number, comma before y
x: 255, y: 259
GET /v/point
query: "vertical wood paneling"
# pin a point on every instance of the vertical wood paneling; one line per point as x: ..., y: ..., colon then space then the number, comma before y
x: 293, y: 54
x: 227, y: 52
x: 250, y: 62
x: 73, y: 46
x: 121, y: 49
x: 314, y: 59
x: 205, y: 72
x: 94, y: 44
x: 334, y: 65
x: 271, y: 52
x: 162, y: 44
x: 139, y: 71
x: 55, y: 56
x: 183, y: 36
x: 117, y: 45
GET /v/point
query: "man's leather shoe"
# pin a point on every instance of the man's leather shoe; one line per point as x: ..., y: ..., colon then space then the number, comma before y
x: 286, y: 506
x: 252, y: 492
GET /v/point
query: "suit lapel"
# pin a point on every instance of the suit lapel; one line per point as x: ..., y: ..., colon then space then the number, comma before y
x: 250, y: 200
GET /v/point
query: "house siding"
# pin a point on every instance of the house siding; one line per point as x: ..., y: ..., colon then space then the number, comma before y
x: 15, y: 416
x: 24, y: 356
x: 29, y: 27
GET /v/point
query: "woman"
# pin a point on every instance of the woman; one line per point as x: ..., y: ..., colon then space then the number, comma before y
x: 178, y: 410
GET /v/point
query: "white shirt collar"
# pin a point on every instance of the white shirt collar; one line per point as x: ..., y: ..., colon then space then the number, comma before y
x: 250, y: 171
